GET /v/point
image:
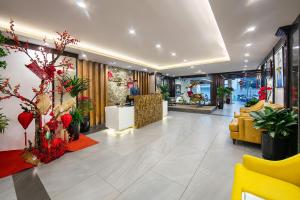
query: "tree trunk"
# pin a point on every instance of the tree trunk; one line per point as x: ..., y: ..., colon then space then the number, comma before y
x: 38, y: 128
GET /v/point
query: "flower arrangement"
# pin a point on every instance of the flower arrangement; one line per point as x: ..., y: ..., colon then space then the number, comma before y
x: 264, y: 94
x: 48, y: 144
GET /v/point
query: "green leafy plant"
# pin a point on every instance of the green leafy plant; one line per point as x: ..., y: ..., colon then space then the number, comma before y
x: 76, y: 116
x: 278, y: 123
x: 164, y: 90
x: 228, y: 90
x: 251, y: 102
x: 3, y: 122
x: 77, y: 84
x: 3, y: 52
x: 85, y: 105
x: 221, y: 91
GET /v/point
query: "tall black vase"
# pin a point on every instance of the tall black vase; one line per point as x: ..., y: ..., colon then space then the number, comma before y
x: 73, y: 130
x: 85, y: 125
x: 275, y: 148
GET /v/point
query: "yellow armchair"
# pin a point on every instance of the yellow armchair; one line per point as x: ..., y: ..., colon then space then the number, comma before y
x: 259, y: 105
x: 276, y: 180
x: 242, y: 129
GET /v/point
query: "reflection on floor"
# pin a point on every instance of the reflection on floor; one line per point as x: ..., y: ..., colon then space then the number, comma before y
x: 192, y: 108
x: 185, y: 156
x: 229, y: 109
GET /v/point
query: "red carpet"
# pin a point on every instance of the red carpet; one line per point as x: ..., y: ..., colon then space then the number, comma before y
x: 81, y: 143
x: 12, y: 162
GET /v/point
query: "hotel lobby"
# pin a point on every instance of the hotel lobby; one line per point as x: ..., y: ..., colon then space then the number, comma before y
x: 149, y: 100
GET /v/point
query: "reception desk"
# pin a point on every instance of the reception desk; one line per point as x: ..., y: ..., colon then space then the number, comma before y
x: 147, y: 109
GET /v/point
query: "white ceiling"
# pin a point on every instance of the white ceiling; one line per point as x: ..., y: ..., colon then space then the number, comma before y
x: 197, y: 30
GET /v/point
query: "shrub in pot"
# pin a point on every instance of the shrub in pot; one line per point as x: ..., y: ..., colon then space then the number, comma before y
x: 85, y: 105
x: 251, y: 102
x: 74, y: 127
x: 279, y: 127
x: 228, y: 93
x: 164, y: 90
x: 221, y: 91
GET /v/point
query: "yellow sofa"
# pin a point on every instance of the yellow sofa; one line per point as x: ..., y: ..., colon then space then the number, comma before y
x: 275, y: 180
x: 241, y: 128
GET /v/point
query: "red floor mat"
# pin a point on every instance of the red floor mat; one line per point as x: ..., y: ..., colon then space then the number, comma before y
x: 12, y: 162
x: 81, y: 143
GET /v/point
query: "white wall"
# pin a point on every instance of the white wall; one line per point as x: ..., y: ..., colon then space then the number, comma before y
x: 13, y: 137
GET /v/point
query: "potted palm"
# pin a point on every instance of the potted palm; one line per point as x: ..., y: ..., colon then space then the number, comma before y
x: 85, y: 105
x: 221, y: 91
x: 228, y: 93
x: 74, y: 127
x: 279, y: 126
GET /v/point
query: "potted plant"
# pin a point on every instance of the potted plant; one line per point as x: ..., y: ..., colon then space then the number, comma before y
x: 74, y: 127
x: 76, y: 84
x: 3, y: 122
x: 164, y: 90
x: 278, y: 125
x: 221, y: 91
x: 85, y: 105
x: 251, y: 102
x: 228, y: 93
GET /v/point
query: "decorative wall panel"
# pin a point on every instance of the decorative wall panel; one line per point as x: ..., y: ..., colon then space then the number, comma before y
x: 96, y: 73
x: 147, y: 109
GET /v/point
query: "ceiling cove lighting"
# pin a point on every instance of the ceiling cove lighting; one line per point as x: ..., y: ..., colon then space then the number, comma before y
x: 37, y: 35
x: 250, y: 29
x: 131, y: 31
x: 247, y: 54
x: 158, y: 46
x: 249, y: 45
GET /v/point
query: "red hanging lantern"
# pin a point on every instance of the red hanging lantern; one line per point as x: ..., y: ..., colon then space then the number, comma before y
x: 66, y: 119
x: 25, y: 118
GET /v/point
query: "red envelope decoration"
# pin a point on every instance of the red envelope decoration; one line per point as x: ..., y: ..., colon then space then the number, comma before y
x: 37, y: 70
x: 66, y: 119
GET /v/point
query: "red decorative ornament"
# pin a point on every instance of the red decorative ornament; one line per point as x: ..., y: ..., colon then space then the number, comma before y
x: 35, y: 68
x: 66, y: 119
x: 25, y: 118
x: 109, y: 74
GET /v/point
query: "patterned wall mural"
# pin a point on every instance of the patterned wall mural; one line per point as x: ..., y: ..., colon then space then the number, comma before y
x: 119, y: 82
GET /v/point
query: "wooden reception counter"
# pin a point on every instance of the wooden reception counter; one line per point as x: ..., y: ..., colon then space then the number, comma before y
x: 147, y: 109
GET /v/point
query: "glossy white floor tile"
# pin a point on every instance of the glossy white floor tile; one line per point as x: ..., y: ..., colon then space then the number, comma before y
x: 185, y: 156
x: 7, y: 189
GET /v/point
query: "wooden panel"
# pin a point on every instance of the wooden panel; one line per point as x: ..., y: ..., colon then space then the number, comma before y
x: 97, y: 94
x: 91, y: 90
x: 102, y: 93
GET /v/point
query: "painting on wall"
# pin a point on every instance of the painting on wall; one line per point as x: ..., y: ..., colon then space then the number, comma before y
x: 119, y: 83
x: 278, y: 69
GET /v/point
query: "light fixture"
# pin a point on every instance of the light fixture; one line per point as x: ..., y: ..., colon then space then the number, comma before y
x: 184, y: 60
x: 158, y: 46
x: 296, y: 47
x: 81, y: 4
x: 247, y: 54
x: 246, y: 61
x: 245, y: 66
x: 167, y: 74
x: 129, y: 66
x: 248, y: 44
x: 83, y: 55
x: 131, y: 31
x: 192, y: 67
x: 145, y: 69
x: 251, y: 29
x: 173, y: 54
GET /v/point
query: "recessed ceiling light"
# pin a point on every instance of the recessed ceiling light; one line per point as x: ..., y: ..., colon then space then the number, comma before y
x: 145, y: 69
x: 81, y: 4
x: 184, y: 60
x: 296, y: 47
x: 158, y: 46
x: 245, y: 66
x: 245, y: 61
x: 251, y: 29
x: 247, y: 54
x: 167, y: 74
x: 173, y: 54
x: 249, y: 45
x: 192, y: 67
x: 131, y: 31
x: 83, y: 55
x: 129, y: 66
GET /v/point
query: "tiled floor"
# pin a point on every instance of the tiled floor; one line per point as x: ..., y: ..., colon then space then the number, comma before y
x: 185, y: 156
